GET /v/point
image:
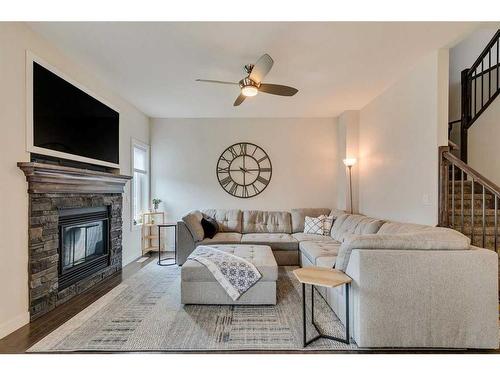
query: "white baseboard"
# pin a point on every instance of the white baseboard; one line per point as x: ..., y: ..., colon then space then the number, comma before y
x: 12, y: 324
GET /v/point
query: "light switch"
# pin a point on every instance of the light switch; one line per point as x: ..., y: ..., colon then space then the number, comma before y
x: 426, y: 200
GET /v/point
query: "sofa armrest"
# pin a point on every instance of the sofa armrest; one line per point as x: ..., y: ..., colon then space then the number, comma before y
x: 421, y: 298
x: 434, y: 239
x: 185, y: 242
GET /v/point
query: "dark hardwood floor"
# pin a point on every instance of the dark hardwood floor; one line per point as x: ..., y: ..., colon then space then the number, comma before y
x: 19, y: 341
x: 25, y: 337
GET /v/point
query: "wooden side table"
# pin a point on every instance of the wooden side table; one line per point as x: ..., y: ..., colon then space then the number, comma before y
x: 329, y: 278
x: 150, y: 220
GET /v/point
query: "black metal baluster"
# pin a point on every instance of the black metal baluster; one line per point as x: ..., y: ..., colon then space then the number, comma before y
x: 489, y: 74
x: 472, y: 214
x: 498, y: 61
x: 475, y: 93
x: 484, y: 217
x: 453, y: 196
x: 462, y: 198
x: 482, y: 84
x: 496, y: 222
x: 469, y: 98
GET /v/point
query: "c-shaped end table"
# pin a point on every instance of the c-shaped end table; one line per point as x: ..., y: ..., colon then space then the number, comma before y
x: 167, y: 225
x: 325, y: 277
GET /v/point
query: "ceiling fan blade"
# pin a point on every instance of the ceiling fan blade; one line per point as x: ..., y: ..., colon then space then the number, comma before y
x: 282, y: 90
x: 239, y: 100
x: 261, y: 68
x: 214, y: 81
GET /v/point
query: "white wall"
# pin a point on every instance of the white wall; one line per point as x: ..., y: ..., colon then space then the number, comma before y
x: 484, y: 143
x: 185, y: 152
x: 399, y: 135
x: 15, y: 39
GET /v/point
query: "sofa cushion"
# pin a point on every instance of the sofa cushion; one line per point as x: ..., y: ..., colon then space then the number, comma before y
x: 260, y: 256
x: 327, y: 262
x: 311, y: 237
x: 431, y: 239
x: 335, y: 212
x: 277, y: 241
x: 222, y: 238
x: 315, y: 249
x: 393, y: 227
x: 346, y: 225
x: 267, y: 222
x: 228, y: 220
x: 193, y: 223
x: 298, y: 216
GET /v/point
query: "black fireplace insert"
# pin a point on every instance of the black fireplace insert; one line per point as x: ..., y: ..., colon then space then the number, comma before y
x: 83, y: 243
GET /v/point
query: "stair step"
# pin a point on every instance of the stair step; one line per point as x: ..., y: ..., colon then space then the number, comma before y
x: 478, y: 218
x: 467, y: 187
x: 488, y: 244
x: 487, y: 212
x: 478, y: 203
x: 478, y: 230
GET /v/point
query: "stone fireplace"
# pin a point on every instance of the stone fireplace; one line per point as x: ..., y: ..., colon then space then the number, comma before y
x: 75, y: 231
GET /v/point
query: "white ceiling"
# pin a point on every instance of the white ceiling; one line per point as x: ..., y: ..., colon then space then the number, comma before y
x: 336, y: 66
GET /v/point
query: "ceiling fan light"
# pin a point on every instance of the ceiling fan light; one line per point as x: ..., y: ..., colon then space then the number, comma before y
x: 249, y: 90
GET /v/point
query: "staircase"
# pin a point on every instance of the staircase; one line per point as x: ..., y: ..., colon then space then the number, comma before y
x: 468, y: 201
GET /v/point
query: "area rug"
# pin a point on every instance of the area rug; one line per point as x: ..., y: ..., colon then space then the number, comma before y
x: 144, y: 313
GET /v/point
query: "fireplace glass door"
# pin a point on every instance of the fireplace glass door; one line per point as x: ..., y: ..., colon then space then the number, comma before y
x: 83, y: 243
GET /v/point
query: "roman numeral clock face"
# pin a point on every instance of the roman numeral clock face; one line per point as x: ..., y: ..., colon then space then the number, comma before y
x: 244, y: 170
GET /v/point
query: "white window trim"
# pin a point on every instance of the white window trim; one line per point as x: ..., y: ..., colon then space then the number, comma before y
x: 138, y: 144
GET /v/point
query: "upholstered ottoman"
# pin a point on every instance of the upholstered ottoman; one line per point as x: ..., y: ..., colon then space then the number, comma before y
x: 198, y: 285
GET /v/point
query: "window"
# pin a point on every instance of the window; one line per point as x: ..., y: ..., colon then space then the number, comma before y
x: 140, y: 183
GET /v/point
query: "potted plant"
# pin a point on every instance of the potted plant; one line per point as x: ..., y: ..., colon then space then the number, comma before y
x: 156, y: 203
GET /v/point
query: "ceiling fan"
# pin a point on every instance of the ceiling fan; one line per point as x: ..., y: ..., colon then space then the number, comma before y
x: 252, y: 84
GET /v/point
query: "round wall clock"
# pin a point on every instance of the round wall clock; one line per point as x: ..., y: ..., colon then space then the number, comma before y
x: 244, y: 170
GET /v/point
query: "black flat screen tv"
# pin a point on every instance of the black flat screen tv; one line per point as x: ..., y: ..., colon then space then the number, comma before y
x: 68, y: 120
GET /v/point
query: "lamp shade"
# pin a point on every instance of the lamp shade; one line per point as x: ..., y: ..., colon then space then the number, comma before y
x: 349, y: 162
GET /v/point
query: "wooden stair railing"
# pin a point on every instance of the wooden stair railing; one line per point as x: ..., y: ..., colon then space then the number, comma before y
x: 480, y: 87
x: 468, y: 203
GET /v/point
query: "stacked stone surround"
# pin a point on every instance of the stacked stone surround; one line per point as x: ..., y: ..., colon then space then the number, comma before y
x: 44, y: 242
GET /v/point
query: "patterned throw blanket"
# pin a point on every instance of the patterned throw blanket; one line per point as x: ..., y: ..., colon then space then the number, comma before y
x: 236, y: 275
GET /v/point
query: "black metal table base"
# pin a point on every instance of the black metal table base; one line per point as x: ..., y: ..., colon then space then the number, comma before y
x: 164, y: 259
x: 174, y: 258
x: 306, y: 342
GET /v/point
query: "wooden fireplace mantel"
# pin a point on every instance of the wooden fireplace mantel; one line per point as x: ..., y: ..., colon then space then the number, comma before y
x: 48, y: 178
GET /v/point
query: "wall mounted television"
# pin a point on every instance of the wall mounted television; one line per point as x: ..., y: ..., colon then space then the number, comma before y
x: 69, y: 123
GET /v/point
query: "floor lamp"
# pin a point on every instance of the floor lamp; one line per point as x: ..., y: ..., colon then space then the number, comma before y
x: 349, y: 162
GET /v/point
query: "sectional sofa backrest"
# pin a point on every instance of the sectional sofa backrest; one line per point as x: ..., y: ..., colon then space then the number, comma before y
x: 256, y: 221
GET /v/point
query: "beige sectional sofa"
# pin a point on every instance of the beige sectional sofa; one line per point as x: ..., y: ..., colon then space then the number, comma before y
x: 413, y: 285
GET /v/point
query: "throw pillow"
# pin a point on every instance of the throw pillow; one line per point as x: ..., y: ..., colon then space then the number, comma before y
x: 327, y: 224
x: 313, y: 225
x: 210, y: 226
